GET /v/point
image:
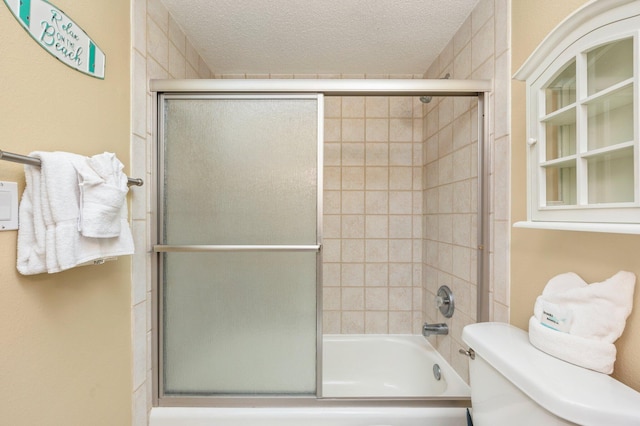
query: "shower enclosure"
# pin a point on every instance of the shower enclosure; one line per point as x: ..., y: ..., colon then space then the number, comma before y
x: 238, y: 312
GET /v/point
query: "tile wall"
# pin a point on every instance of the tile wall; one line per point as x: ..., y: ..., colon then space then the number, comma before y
x: 479, y: 50
x: 159, y: 50
x: 372, y: 270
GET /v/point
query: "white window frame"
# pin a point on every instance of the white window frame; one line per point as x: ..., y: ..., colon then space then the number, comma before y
x: 595, y: 24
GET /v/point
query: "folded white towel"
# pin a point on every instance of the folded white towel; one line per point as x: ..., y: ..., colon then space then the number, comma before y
x: 103, y: 189
x: 579, y: 322
x: 588, y: 353
x: 599, y: 310
x: 48, y: 237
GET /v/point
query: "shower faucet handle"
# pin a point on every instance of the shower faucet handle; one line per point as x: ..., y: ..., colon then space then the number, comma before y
x: 444, y: 301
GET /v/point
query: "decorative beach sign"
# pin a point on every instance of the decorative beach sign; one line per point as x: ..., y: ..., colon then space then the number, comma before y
x: 59, y: 35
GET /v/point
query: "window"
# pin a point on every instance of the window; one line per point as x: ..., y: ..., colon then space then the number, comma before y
x: 582, y: 106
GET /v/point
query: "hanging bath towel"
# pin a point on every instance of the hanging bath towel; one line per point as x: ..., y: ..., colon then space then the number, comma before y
x: 49, y: 238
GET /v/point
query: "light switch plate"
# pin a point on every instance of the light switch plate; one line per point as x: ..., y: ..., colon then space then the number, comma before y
x: 8, y: 206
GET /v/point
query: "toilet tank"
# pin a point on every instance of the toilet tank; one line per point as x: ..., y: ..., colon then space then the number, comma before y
x: 512, y: 382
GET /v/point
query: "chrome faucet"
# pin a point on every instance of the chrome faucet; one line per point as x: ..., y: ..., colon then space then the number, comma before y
x: 439, y: 329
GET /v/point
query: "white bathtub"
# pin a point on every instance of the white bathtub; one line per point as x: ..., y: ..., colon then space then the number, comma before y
x: 395, y: 370
x: 385, y: 366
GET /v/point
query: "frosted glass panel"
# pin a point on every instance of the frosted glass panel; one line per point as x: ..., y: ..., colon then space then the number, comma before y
x: 240, y: 171
x: 239, y: 323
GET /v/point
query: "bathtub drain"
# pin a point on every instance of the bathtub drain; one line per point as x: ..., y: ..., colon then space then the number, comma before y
x: 436, y: 372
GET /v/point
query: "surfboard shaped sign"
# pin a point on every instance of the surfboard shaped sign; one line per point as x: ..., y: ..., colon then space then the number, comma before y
x: 59, y: 35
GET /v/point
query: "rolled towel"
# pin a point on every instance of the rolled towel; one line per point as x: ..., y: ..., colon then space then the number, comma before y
x: 596, y: 314
x: 103, y: 188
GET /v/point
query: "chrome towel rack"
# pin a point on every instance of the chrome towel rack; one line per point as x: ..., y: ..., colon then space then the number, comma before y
x: 25, y: 159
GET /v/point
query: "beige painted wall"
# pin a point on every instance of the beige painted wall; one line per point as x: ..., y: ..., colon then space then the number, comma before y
x: 538, y: 255
x: 65, y: 351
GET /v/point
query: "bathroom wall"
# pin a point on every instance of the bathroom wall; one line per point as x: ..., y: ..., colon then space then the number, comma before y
x: 479, y: 50
x: 538, y: 255
x: 159, y: 49
x: 65, y: 356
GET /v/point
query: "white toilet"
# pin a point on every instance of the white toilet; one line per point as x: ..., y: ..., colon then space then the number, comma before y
x: 514, y: 383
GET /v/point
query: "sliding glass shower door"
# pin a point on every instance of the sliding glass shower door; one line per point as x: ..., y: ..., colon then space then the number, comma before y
x: 239, y: 242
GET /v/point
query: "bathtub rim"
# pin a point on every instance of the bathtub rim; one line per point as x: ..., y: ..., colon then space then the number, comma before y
x: 313, y: 401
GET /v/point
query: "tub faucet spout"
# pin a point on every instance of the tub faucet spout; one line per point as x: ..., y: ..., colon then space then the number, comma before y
x: 438, y: 329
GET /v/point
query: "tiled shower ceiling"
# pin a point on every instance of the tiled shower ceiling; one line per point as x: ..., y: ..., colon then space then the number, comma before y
x: 319, y: 36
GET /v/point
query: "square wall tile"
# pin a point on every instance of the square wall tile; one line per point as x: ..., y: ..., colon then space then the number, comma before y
x: 377, y: 106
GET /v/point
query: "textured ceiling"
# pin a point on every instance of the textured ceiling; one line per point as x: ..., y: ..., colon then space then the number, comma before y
x: 321, y: 36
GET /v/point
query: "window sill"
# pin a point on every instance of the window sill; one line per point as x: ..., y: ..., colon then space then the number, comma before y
x: 613, y: 228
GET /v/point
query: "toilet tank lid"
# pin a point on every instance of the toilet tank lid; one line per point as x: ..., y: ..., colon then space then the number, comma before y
x: 573, y: 393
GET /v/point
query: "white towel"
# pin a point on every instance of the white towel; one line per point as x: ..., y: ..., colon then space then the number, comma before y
x: 103, y: 189
x: 579, y: 322
x: 588, y: 353
x: 48, y: 237
x: 31, y: 257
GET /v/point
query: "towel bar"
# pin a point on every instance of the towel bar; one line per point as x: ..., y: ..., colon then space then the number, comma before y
x: 24, y: 159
